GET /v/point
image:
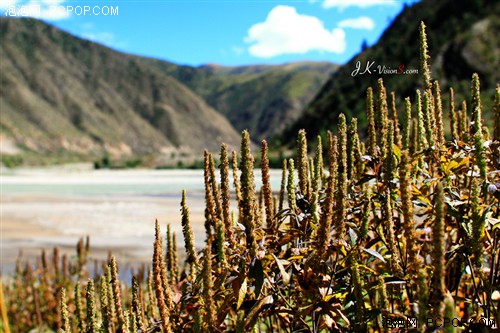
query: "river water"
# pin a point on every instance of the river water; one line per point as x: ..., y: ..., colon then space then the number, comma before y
x: 44, y: 208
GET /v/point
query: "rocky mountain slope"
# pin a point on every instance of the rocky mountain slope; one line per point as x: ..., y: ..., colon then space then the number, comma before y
x: 262, y: 98
x: 68, y: 96
x: 64, y: 96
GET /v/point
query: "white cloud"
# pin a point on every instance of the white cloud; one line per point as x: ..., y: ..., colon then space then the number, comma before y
x: 89, y: 31
x: 343, y: 4
x: 4, y: 4
x: 361, y: 22
x: 287, y: 32
x: 106, y: 38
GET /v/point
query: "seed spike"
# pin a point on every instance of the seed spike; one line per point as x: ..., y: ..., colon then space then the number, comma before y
x: 91, y: 308
x: 422, y: 141
x: 210, y: 212
x: 395, y: 119
x: 453, y: 116
x: 137, y: 309
x: 248, y: 204
x: 192, y: 257
x: 283, y: 186
x: 236, y: 179
x: 405, y: 173
x: 303, y: 164
x: 161, y: 286
x: 291, y: 186
x: 80, y: 317
x: 429, y: 119
x: 341, y: 197
x: 266, y: 187
x: 438, y: 113
x: 424, y: 58
x: 438, y: 253
x: 66, y: 326
x: 372, y: 136
x: 325, y: 222
x: 478, y: 227
x: 382, y: 115
x: 318, y: 165
x: 209, y: 313
x: 496, y: 132
x: 226, y: 195
x: 496, y: 112
x: 407, y: 124
x: 476, y: 104
x: 115, y: 283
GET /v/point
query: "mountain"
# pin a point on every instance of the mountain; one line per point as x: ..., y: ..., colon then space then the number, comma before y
x: 264, y: 99
x: 61, y: 95
x: 462, y: 38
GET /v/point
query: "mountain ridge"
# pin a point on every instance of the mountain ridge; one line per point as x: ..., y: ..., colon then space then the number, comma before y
x: 81, y: 97
x: 261, y: 98
x: 462, y: 39
x: 66, y: 96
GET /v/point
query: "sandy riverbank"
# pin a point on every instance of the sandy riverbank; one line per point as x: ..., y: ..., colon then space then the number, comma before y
x: 48, y: 207
x: 122, y: 224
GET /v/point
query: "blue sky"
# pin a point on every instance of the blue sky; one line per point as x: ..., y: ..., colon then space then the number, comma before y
x: 227, y: 32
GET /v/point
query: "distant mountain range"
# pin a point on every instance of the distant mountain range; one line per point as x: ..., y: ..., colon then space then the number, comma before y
x: 69, y: 98
x: 463, y: 38
x: 263, y: 99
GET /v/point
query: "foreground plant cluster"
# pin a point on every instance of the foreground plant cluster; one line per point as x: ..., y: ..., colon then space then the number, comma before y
x: 358, y: 236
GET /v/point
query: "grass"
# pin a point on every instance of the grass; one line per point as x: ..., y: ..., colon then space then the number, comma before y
x: 358, y: 235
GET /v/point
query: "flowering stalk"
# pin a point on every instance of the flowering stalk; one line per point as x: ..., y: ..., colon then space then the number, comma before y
x: 372, y: 134
x: 66, y: 326
x: 303, y: 164
x: 247, y: 203
x: 161, y: 286
x: 438, y: 112
x: 266, y: 187
x: 421, y: 142
x: 283, y: 186
x: 438, y: 253
x: 395, y: 119
x: 225, y: 195
x: 424, y: 58
x: 341, y: 194
x: 325, y: 221
x: 453, y: 116
x: 209, y: 312
x: 382, y: 115
x: 91, y: 309
x: 80, y: 317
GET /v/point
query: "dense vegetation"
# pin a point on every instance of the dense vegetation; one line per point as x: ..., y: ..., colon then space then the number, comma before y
x: 404, y: 225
